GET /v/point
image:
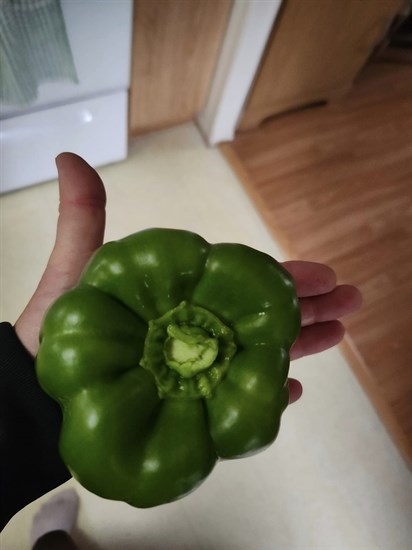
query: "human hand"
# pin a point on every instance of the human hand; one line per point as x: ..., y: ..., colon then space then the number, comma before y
x: 80, y: 230
x: 322, y: 303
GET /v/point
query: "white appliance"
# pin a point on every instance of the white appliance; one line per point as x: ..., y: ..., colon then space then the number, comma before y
x: 88, y: 117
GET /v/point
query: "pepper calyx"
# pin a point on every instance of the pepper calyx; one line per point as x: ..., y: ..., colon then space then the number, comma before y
x: 188, y: 351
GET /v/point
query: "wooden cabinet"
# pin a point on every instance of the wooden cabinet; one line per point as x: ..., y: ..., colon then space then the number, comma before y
x: 316, y: 49
x: 175, y: 48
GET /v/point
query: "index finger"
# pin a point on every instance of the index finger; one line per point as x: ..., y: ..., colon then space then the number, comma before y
x: 311, y: 278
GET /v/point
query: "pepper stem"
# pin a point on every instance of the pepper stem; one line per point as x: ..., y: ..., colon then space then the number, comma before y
x: 189, y: 349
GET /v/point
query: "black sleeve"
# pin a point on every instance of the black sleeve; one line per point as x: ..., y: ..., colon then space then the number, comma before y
x: 29, y: 430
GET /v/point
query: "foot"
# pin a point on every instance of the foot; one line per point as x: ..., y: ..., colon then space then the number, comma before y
x: 59, y: 513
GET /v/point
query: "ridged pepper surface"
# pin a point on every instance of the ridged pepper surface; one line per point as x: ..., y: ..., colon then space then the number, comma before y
x: 170, y: 354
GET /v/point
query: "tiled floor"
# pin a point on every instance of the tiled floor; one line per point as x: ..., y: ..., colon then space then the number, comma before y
x: 333, y: 479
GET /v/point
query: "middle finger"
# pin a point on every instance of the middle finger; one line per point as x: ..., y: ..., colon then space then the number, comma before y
x: 327, y: 307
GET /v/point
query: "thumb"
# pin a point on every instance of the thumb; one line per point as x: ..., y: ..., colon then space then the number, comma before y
x: 80, y: 231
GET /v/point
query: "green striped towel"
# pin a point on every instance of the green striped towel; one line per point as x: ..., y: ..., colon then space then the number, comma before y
x: 34, y: 48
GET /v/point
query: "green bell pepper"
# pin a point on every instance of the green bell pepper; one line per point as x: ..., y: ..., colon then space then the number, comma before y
x: 169, y: 354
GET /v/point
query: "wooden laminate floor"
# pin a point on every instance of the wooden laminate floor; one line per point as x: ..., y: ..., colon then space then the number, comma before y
x: 334, y: 185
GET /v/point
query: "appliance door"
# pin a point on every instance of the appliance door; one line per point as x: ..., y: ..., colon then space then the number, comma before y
x: 83, y: 109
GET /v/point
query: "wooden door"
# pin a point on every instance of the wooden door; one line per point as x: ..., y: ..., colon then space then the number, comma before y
x: 175, y: 48
x: 316, y: 49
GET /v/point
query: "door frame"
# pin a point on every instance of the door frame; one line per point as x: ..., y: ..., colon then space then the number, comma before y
x: 249, y: 27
